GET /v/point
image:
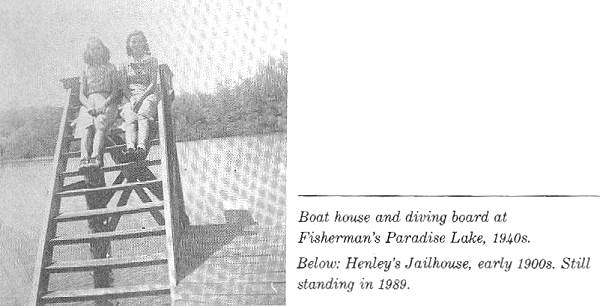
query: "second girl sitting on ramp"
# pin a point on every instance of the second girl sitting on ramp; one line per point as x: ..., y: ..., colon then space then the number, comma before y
x: 99, y: 86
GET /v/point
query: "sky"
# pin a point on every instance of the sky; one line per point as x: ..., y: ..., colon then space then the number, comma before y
x: 203, y: 41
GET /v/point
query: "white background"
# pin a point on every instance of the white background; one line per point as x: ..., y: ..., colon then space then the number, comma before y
x: 449, y: 97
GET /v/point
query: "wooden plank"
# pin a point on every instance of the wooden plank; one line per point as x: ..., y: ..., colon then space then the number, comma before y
x: 225, y: 276
x: 122, y: 262
x: 167, y: 148
x: 123, y: 210
x: 48, y: 230
x: 118, y: 167
x: 117, y: 235
x: 230, y: 240
x: 234, y: 288
x: 277, y: 250
x: 133, y: 165
x: 76, y: 185
x: 262, y: 241
x: 237, y: 267
x: 105, y: 293
x: 231, y: 299
x: 262, y: 260
x: 108, y: 149
x: 71, y: 193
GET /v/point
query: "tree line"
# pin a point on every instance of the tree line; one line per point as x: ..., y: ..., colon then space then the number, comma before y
x: 255, y: 105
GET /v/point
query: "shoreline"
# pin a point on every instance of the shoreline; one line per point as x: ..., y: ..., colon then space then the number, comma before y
x: 51, y: 158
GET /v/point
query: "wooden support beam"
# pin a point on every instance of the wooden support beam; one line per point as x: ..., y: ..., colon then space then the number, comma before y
x: 112, y: 211
x: 107, y: 293
x: 112, y: 263
x: 77, y: 192
x: 48, y: 231
x: 116, y: 235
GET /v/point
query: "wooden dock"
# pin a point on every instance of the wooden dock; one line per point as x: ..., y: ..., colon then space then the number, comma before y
x: 225, y: 264
x: 243, y: 266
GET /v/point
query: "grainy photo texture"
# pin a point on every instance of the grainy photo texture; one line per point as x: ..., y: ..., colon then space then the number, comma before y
x: 143, y: 152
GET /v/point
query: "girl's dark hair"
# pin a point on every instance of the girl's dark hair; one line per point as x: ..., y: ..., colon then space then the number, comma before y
x: 135, y: 33
x: 87, y: 56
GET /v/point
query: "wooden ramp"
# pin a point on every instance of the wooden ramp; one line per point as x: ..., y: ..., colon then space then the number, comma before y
x: 161, y: 197
x: 130, y: 242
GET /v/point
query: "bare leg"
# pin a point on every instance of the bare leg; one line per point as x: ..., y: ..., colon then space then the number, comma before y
x: 86, y: 143
x: 143, y: 132
x: 130, y: 135
x: 99, y: 146
x: 98, y: 143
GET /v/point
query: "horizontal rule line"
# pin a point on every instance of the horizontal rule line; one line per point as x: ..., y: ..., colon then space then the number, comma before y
x: 449, y: 196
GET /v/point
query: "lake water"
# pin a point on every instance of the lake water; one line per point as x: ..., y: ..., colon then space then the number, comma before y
x: 217, y: 174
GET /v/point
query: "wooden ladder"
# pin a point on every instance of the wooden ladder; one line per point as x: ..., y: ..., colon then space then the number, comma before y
x: 168, y: 211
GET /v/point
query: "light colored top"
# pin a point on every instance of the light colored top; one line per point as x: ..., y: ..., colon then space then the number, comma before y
x: 99, y: 79
x: 139, y: 74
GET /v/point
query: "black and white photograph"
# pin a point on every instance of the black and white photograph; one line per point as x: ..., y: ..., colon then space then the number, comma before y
x: 435, y: 152
x: 143, y: 152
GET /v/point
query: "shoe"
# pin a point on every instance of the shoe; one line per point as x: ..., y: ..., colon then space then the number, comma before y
x: 97, y: 162
x: 94, y: 163
x: 141, y: 153
x: 84, y: 163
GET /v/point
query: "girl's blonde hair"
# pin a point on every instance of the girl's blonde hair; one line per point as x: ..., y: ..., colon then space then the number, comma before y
x: 135, y: 33
x: 87, y: 54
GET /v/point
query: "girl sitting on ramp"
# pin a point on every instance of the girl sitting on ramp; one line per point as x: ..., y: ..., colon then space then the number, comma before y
x: 99, y: 87
x: 140, y: 101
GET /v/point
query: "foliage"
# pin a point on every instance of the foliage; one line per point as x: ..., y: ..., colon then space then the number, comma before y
x: 28, y: 132
x: 256, y: 105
